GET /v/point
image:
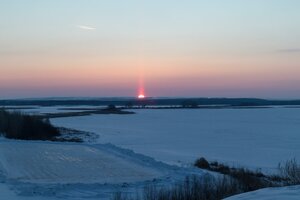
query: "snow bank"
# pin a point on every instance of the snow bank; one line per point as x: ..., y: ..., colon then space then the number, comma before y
x: 282, y: 193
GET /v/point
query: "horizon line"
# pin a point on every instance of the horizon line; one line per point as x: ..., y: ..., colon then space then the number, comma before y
x: 70, y: 98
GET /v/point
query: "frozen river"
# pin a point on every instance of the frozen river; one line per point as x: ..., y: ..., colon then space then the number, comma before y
x: 259, y: 138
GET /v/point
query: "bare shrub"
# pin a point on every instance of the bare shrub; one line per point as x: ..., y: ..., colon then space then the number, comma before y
x: 233, y: 181
x: 248, y: 180
x: 192, y: 188
x: 290, y: 170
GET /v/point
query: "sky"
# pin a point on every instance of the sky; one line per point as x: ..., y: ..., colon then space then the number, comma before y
x: 191, y: 48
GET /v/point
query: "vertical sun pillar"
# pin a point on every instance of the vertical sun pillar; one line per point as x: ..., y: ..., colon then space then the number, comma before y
x: 141, y: 84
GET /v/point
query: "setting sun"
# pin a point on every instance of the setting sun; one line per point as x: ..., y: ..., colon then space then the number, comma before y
x: 141, y: 96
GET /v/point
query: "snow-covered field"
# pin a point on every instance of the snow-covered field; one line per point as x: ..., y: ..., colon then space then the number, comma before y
x: 7, y: 193
x: 282, y: 193
x: 36, y: 162
x: 258, y: 138
x: 77, y: 171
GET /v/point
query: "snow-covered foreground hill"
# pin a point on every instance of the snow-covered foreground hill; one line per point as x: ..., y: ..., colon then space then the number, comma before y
x: 69, y: 163
x: 258, y: 138
x: 66, y: 170
x: 282, y: 193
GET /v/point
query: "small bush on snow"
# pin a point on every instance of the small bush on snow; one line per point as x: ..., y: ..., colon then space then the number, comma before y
x: 290, y: 170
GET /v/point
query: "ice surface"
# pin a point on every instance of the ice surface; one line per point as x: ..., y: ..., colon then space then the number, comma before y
x: 258, y: 138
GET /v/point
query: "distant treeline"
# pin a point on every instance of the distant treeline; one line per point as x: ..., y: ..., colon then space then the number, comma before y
x: 129, y: 102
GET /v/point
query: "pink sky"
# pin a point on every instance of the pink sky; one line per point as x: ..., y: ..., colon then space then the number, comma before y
x: 193, y: 48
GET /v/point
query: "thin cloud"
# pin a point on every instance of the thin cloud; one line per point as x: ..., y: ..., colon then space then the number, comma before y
x: 84, y: 27
x: 291, y: 50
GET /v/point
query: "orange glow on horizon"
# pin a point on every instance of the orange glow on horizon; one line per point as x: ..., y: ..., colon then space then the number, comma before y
x: 147, y: 76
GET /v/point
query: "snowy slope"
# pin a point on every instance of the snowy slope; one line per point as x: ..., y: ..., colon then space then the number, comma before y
x: 239, y: 136
x: 282, y: 193
x: 6, y: 193
x: 68, y: 163
x: 51, y: 170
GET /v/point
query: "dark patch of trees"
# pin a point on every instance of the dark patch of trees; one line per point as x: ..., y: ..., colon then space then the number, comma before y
x: 15, y: 125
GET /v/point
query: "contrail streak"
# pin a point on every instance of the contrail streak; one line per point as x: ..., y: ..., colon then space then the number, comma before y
x: 86, y: 27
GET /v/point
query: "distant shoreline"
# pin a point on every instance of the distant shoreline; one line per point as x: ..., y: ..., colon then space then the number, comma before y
x: 132, y: 102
